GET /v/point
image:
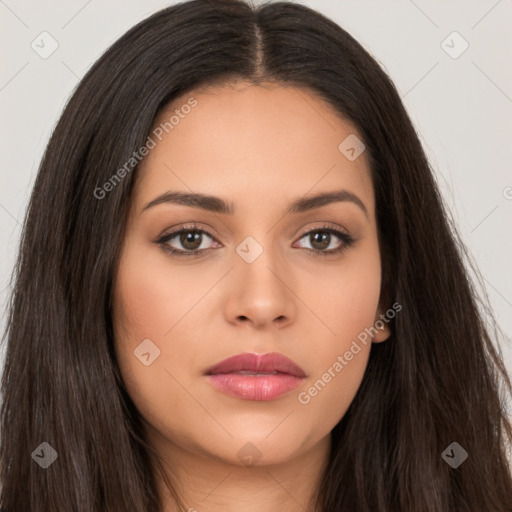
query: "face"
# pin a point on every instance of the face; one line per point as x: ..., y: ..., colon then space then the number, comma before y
x: 265, y: 278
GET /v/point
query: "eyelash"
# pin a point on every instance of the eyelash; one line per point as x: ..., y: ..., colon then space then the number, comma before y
x: 164, y: 239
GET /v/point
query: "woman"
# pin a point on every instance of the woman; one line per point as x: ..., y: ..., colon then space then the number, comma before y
x: 238, y: 288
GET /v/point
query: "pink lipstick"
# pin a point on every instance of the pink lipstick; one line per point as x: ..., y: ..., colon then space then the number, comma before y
x: 256, y: 376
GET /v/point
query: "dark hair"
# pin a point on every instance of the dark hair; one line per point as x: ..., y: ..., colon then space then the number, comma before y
x: 436, y: 380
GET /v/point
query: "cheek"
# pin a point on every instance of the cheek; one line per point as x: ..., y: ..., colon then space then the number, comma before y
x: 329, y: 393
x: 148, y: 303
x: 347, y: 305
x: 146, y: 295
x: 152, y: 297
x: 345, y: 297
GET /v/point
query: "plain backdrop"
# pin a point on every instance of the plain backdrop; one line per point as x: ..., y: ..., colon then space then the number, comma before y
x: 460, y: 100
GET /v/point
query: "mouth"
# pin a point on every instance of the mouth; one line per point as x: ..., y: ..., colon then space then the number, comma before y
x: 255, y: 376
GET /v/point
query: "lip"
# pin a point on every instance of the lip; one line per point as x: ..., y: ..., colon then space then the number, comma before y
x: 273, y: 375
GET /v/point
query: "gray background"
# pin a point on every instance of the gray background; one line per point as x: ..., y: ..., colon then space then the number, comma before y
x: 460, y: 106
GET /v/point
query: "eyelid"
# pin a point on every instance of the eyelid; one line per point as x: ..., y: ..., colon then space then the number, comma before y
x: 187, y: 227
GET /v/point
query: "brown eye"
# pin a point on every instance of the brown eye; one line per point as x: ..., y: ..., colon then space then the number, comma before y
x: 185, y: 242
x: 321, y: 238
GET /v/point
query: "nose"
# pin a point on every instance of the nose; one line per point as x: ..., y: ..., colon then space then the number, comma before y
x: 262, y: 293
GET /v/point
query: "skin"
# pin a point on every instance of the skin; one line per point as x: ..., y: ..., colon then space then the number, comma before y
x: 260, y: 147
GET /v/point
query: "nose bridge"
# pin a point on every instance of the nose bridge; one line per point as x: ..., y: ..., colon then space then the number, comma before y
x: 261, y: 291
x: 259, y: 258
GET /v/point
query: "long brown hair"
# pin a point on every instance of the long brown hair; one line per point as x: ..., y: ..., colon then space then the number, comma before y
x: 437, y: 380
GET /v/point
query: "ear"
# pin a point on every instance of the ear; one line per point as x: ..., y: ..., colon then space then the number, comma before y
x: 381, y: 324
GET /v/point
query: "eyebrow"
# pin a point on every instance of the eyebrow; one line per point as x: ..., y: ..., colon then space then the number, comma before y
x: 218, y: 205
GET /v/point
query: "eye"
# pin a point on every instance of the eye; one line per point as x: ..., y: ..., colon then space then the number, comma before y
x: 191, y: 239
x: 321, y: 239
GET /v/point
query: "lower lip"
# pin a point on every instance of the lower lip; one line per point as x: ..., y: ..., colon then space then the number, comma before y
x: 253, y: 387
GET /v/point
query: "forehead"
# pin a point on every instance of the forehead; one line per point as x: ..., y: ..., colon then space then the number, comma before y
x: 263, y: 141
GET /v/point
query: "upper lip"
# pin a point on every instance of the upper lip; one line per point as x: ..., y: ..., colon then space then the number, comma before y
x: 257, y: 363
